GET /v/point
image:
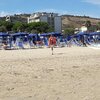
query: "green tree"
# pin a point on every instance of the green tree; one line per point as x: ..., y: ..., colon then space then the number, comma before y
x: 35, y: 27
x: 3, y: 29
x: 51, y: 29
x: 38, y: 27
x: 92, y: 28
x: 7, y: 25
x: 88, y: 24
x: 98, y: 25
x: 18, y: 26
x: 69, y: 31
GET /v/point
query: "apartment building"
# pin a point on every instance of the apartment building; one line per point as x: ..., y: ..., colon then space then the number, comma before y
x: 53, y: 19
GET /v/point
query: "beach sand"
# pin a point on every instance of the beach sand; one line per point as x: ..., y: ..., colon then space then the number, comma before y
x: 34, y: 74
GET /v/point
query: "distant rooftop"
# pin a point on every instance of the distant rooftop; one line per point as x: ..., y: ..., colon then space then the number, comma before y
x: 38, y: 14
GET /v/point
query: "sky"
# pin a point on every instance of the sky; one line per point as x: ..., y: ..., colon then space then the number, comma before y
x: 71, y: 7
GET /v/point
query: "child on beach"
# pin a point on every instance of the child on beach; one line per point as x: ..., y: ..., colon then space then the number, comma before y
x: 52, y: 42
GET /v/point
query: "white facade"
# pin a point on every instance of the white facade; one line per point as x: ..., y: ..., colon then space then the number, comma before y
x: 30, y: 20
x: 83, y: 29
x: 51, y: 18
x: 8, y: 18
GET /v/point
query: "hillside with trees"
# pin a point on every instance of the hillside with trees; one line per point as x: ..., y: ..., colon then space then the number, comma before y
x: 69, y: 23
x: 77, y: 21
x: 35, y: 27
x: 17, y: 18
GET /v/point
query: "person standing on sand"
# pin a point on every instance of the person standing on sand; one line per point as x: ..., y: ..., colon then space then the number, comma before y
x: 52, y: 42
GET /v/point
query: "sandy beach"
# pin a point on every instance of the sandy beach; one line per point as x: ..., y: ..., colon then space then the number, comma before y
x: 34, y: 74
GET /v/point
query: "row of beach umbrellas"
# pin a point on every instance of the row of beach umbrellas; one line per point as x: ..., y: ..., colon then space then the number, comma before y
x: 26, y: 34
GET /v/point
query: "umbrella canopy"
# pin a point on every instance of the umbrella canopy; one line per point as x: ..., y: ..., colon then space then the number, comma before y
x: 82, y: 33
x: 55, y: 34
x: 35, y: 36
x: 95, y: 33
x: 32, y: 35
x: 52, y: 33
x: 19, y: 34
x: 3, y: 34
x: 38, y: 37
x: 44, y: 34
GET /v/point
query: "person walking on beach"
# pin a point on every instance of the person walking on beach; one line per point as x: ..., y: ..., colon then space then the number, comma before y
x: 52, y: 42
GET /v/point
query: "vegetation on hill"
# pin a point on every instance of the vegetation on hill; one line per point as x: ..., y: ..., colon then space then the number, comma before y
x: 17, y: 18
x: 69, y: 23
x: 35, y: 27
x: 77, y: 21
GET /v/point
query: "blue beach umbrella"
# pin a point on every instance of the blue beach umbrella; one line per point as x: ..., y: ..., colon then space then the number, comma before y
x: 32, y: 35
x: 55, y: 34
x: 44, y: 34
x: 82, y: 33
x: 38, y: 37
x: 19, y: 34
x: 3, y: 34
x: 95, y: 33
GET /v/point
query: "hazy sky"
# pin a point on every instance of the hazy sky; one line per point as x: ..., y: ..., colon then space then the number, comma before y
x: 73, y: 7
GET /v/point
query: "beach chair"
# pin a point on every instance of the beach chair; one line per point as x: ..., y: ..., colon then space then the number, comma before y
x: 19, y: 44
x: 31, y: 44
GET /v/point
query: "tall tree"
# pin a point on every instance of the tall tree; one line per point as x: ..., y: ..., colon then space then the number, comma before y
x: 69, y: 31
x: 88, y: 24
x: 98, y: 25
x: 3, y: 29
x: 18, y: 26
x: 38, y: 27
x: 7, y: 25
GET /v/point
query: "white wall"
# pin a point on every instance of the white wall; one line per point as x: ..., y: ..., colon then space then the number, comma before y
x: 83, y: 29
x: 33, y: 20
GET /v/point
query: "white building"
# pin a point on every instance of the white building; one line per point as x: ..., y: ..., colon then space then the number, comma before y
x: 51, y: 18
x: 8, y: 18
x: 83, y: 29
